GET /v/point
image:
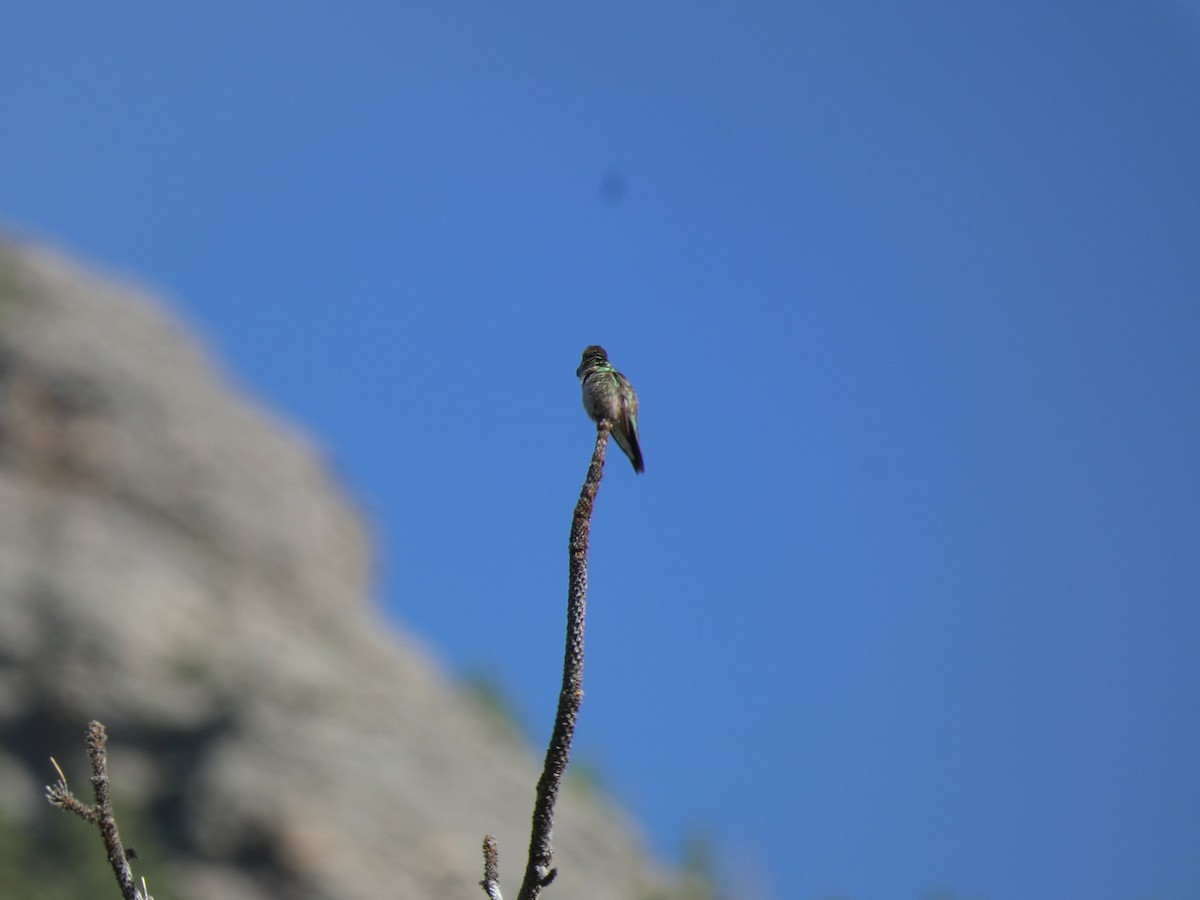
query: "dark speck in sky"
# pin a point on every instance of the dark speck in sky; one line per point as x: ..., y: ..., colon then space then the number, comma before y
x: 612, y: 186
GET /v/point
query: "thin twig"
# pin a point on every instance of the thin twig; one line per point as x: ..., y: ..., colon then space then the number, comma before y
x: 491, y: 869
x: 60, y: 795
x: 101, y: 815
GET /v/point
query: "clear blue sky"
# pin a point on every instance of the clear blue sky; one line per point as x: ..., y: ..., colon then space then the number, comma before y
x: 907, y: 599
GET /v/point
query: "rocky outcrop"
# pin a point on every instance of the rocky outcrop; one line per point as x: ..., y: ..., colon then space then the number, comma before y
x: 178, y: 564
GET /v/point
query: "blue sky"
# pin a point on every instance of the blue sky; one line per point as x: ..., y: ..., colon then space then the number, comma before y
x: 907, y: 599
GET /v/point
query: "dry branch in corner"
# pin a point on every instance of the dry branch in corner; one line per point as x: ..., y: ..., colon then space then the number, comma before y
x: 101, y: 815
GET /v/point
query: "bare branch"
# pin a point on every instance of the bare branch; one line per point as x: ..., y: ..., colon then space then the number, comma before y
x: 491, y: 869
x: 101, y: 815
x: 538, y: 872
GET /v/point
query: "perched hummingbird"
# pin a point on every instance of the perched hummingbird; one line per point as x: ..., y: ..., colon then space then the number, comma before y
x: 607, y: 394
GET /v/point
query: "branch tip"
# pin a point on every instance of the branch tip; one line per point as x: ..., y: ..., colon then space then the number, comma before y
x: 491, y: 868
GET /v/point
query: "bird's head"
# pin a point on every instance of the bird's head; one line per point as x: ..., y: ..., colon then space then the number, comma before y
x: 591, y: 355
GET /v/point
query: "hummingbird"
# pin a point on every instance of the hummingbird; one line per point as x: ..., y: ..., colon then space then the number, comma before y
x: 607, y: 394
